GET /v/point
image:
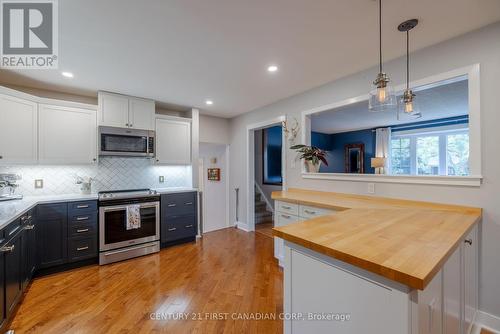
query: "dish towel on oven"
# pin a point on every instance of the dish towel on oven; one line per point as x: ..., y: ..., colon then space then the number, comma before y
x: 133, y: 217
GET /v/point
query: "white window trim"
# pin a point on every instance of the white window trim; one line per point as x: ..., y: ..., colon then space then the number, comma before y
x: 474, y: 180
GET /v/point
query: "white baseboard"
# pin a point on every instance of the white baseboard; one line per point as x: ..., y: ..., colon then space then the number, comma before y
x: 487, y: 321
x: 242, y: 226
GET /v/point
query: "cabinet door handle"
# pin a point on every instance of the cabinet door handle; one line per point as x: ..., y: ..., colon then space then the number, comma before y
x: 6, y: 249
x: 82, y: 206
x: 82, y: 230
x: 310, y: 212
x: 131, y: 124
x: 189, y: 226
x: 83, y: 218
x: 286, y: 216
x: 188, y: 203
x: 29, y: 227
x: 468, y: 241
x: 172, y: 229
x: 82, y: 248
x: 171, y: 205
x: 126, y: 124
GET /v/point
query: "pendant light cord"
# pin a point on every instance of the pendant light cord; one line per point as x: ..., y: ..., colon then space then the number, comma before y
x: 407, y: 59
x: 380, y: 33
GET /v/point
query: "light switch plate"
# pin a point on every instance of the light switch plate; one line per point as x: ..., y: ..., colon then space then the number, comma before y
x: 38, y: 183
x: 161, y: 179
x: 371, y: 188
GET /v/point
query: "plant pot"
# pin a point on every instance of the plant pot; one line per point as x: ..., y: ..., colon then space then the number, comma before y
x: 312, y: 168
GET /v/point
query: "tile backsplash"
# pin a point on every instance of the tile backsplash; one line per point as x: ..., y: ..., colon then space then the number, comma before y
x: 110, y: 174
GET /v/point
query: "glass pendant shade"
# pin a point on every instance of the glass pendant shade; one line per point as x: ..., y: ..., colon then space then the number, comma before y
x: 382, y: 97
x: 408, y: 106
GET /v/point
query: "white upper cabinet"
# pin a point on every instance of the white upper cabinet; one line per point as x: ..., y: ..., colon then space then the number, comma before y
x: 125, y: 112
x: 18, y: 136
x: 141, y: 114
x: 173, y: 141
x: 67, y: 135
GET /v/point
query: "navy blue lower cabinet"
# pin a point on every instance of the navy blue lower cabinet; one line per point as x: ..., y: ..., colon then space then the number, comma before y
x: 179, y: 218
x: 52, y: 234
x: 12, y: 252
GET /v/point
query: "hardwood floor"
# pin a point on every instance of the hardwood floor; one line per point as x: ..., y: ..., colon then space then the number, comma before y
x: 226, y: 271
x: 265, y: 229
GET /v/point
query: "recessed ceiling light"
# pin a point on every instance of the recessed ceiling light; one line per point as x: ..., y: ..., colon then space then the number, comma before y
x: 209, y: 102
x: 67, y: 74
x: 272, y: 68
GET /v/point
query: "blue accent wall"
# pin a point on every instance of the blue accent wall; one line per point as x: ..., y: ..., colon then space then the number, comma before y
x: 273, y: 153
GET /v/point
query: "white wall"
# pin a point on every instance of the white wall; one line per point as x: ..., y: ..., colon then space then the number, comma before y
x: 214, y: 192
x: 214, y: 130
x: 482, y: 47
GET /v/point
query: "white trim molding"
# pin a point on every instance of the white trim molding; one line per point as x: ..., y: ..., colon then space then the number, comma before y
x: 472, y: 74
x: 468, y: 181
x: 487, y: 321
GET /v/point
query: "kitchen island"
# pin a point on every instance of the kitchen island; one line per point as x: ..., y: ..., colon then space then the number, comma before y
x: 364, y: 264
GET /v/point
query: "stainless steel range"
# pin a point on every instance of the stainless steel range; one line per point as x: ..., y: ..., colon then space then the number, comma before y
x: 129, y: 224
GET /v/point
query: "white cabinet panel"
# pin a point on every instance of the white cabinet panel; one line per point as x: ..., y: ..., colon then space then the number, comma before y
x: 18, y: 136
x: 429, y: 307
x: 67, y: 135
x: 452, y: 315
x: 113, y: 110
x: 173, y: 141
x: 290, y: 208
x: 141, y: 114
x: 470, y: 276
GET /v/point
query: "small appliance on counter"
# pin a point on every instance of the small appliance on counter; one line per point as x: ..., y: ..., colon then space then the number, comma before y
x: 8, y: 187
x: 129, y: 224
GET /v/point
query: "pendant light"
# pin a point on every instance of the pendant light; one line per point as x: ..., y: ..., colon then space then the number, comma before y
x: 407, y: 104
x: 382, y: 97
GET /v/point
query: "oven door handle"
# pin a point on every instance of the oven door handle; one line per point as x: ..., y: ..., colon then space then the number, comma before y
x: 124, y: 207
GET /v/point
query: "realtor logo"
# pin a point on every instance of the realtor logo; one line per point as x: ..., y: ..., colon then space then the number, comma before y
x: 29, y: 34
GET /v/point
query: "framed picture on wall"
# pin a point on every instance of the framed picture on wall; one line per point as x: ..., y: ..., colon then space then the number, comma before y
x: 213, y: 174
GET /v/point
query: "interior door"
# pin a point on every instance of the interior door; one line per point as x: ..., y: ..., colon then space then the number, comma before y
x: 18, y: 137
x: 67, y: 135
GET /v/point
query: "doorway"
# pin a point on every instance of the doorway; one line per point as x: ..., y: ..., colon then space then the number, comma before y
x: 264, y: 175
x: 214, y: 186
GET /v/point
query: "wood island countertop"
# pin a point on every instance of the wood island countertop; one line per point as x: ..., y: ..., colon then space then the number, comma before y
x: 405, y: 241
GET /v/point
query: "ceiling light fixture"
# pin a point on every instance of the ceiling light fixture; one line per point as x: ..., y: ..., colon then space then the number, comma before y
x: 67, y: 74
x: 209, y: 102
x: 382, y: 97
x: 408, y: 106
x: 272, y: 68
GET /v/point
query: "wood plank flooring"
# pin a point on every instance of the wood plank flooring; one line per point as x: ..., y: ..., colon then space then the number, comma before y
x: 226, y: 271
x: 265, y: 229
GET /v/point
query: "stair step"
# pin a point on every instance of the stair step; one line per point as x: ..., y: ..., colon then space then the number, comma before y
x: 263, y: 214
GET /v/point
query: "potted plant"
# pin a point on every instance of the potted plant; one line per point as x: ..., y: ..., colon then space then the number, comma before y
x: 312, y: 155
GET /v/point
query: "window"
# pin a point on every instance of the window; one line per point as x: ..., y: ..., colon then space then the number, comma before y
x: 271, y: 162
x: 430, y: 152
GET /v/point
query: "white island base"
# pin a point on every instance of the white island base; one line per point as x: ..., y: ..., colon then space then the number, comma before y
x: 325, y: 295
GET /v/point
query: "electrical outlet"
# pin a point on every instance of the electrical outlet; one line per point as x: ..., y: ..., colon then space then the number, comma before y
x: 161, y: 179
x: 38, y: 183
x: 371, y: 188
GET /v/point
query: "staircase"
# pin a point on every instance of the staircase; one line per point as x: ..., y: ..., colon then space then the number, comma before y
x: 262, y: 215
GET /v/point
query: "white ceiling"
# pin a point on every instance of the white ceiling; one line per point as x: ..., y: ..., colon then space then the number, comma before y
x: 439, y: 102
x: 182, y: 52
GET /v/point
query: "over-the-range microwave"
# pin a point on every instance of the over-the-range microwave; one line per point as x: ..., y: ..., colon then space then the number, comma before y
x: 126, y: 142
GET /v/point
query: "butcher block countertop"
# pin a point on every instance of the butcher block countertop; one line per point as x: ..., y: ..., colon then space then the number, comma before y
x: 405, y: 241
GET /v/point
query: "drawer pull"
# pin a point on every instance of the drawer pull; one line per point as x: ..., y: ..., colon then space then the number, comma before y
x: 82, y: 206
x: 83, y: 218
x: 29, y: 227
x: 310, y: 212
x: 286, y: 207
x: 286, y: 216
x: 171, y: 205
x: 188, y: 203
x: 189, y: 226
x: 468, y: 241
x: 6, y: 249
x: 82, y: 230
x: 82, y: 248
x: 14, y: 230
x: 172, y: 229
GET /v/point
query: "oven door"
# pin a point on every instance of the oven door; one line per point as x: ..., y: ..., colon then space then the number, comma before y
x: 113, y: 226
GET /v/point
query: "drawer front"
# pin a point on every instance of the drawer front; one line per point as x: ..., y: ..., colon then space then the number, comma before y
x: 83, y: 229
x: 89, y: 217
x: 76, y: 208
x: 178, y: 204
x: 52, y: 210
x: 82, y: 248
x: 179, y: 228
x: 289, y: 208
x: 308, y: 212
x: 283, y: 219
